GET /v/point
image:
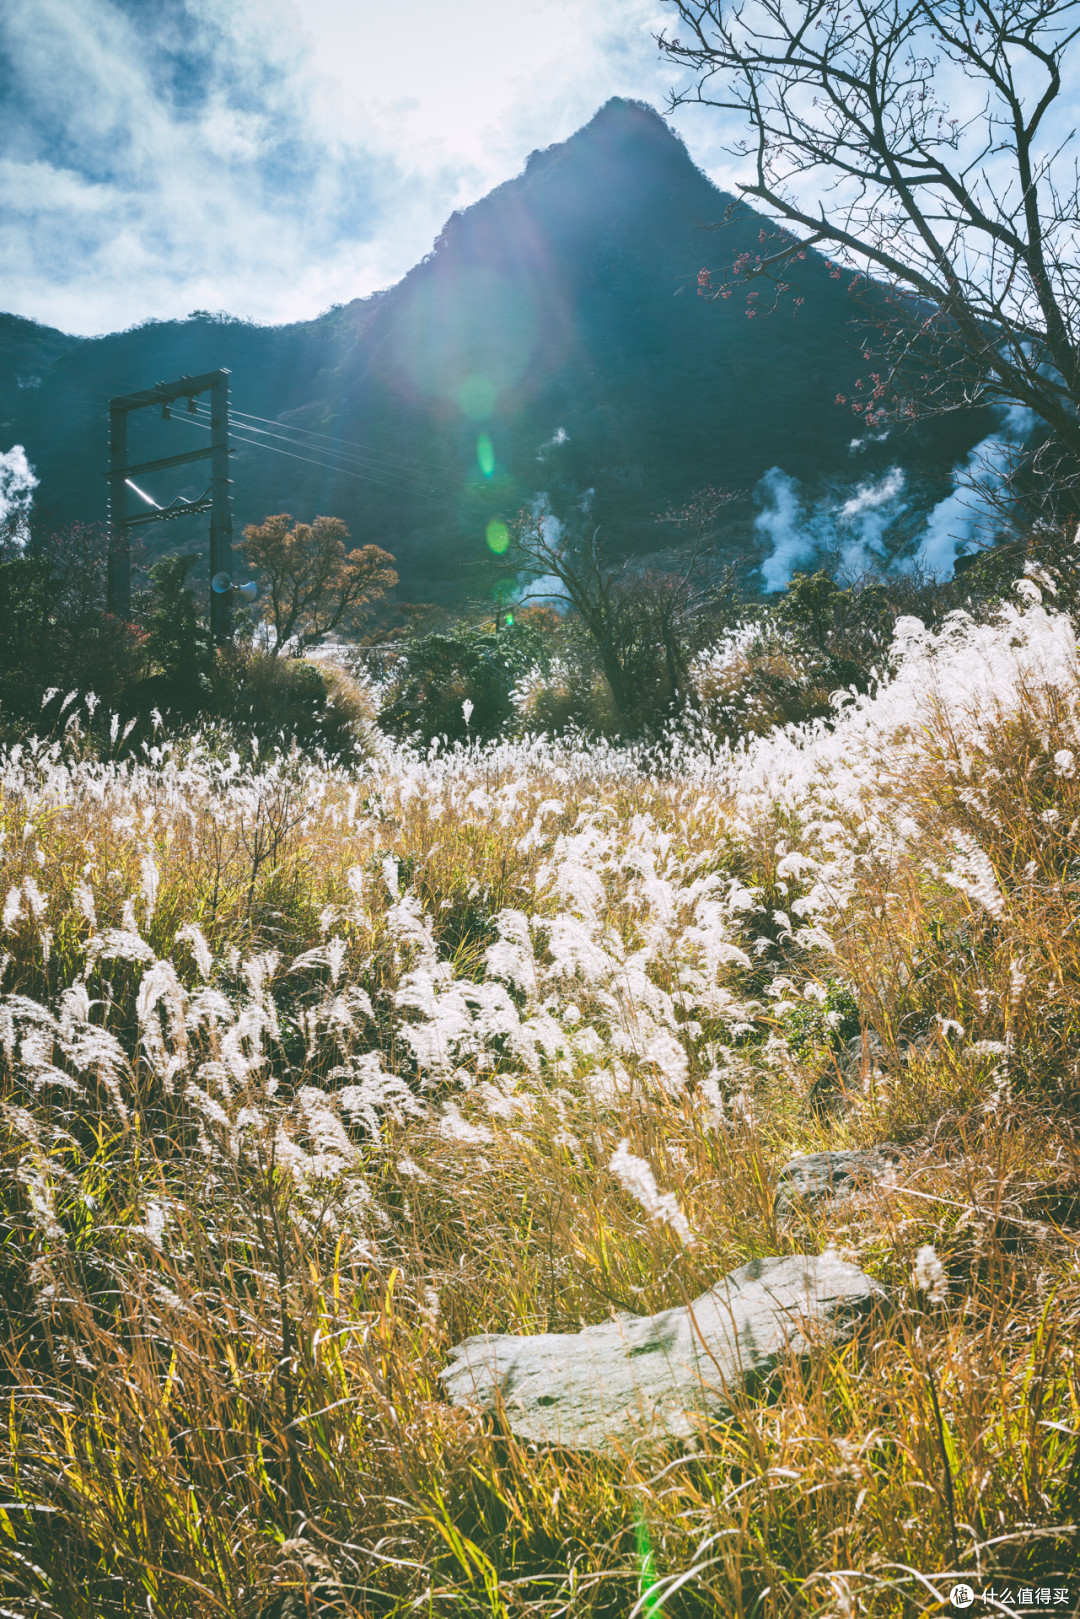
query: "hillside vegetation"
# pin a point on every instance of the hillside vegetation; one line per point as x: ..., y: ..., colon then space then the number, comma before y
x: 312, y: 1070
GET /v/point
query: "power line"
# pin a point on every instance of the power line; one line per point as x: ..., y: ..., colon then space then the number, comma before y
x: 76, y: 389
x: 398, y: 485
x: 261, y: 444
x: 300, y: 444
x: 373, y: 457
x: 367, y: 452
x: 366, y: 449
x: 149, y: 499
x: 346, y: 472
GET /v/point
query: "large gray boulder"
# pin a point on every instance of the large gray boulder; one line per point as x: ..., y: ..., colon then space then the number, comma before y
x: 816, y: 1178
x: 651, y: 1378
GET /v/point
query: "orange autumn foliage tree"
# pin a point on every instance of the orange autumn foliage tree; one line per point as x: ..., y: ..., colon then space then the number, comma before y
x: 312, y: 584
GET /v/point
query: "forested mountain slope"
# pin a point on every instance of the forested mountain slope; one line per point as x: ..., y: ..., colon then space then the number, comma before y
x: 552, y: 340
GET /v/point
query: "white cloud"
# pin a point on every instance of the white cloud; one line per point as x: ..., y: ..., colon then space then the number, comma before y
x: 268, y: 160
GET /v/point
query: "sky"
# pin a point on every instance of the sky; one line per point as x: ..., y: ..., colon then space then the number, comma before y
x: 270, y: 159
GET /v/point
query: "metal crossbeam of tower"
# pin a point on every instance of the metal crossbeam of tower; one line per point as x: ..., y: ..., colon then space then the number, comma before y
x: 216, y: 500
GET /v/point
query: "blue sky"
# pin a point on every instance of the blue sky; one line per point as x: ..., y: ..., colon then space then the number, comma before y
x: 159, y: 156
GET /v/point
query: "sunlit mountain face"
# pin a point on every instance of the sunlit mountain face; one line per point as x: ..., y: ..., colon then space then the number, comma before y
x: 551, y: 343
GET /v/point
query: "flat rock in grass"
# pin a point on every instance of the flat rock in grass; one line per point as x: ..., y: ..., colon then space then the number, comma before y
x: 823, y: 1177
x: 652, y: 1378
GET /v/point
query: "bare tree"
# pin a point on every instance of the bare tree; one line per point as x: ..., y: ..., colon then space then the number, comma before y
x: 639, y: 622
x: 701, y: 515
x: 922, y: 145
x: 313, y: 585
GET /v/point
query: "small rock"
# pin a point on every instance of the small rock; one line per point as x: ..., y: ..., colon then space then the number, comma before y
x: 818, y: 1176
x: 651, y: 1378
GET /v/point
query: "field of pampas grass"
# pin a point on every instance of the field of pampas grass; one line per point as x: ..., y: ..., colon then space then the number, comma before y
x: 309, y: 1074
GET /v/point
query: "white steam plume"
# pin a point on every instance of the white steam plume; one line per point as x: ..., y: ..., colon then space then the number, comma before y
x: 966, y: 512
x: 17, y: 485
x: 782, y: 520
x: 806, y: 530
x: 865, y: 516
x: 545, y: 590
x: 855, y: 527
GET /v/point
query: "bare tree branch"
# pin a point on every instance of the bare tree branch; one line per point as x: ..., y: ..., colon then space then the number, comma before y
x: 962, y: 226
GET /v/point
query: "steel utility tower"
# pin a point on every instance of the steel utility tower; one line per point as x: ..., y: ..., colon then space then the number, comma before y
x: 215, y: 500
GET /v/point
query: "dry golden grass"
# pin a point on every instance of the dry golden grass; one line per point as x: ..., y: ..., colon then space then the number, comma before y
x: 220, y: 1351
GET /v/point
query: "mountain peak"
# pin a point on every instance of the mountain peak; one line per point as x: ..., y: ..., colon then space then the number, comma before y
x: 624, y: 116
x: 619, y: 124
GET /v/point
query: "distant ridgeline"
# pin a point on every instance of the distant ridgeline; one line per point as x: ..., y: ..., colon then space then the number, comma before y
x: 543, y: 345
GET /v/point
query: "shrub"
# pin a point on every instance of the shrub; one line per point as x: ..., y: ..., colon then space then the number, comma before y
x: 57, y: 633
x: 641, y: 625
x: 441, y: 672
x: 59, y: 639
x: 760, y: 676
x: 277, y: 701
x: 179, y: 651
x: 784, y: 662
x: 568, y: 695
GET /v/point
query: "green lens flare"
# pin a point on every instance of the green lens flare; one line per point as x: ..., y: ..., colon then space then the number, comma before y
x: 477, y: 396
x: 485, y: 455
x: 647, y: 1581
x: 498, y: 536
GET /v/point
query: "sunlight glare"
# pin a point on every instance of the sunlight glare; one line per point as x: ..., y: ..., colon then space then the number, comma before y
x: 477, y: 396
